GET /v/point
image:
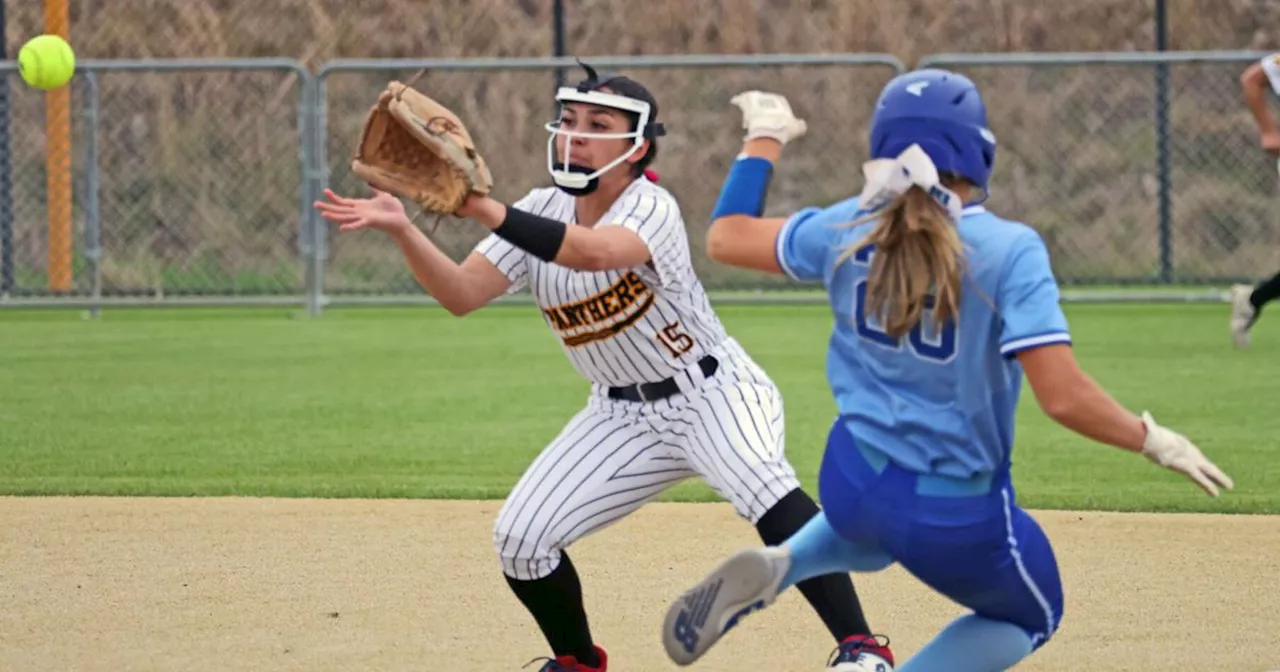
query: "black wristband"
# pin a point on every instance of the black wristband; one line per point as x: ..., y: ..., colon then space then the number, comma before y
x: 537, y: 235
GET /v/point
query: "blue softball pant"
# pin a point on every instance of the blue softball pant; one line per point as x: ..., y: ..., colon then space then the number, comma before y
x: 965, y: 538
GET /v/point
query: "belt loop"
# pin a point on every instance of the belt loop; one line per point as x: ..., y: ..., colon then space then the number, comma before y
x: 692, y: 377
x: 695, y: 374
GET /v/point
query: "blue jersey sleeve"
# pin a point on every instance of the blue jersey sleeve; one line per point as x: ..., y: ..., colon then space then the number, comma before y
x: 1028, y: 299
x: 803, y: 244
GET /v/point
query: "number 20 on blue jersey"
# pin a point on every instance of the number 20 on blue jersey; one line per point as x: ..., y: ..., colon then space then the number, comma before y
x: 933, y: 346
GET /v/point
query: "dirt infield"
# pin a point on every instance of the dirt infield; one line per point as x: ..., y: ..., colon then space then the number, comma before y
x: 247, y: 584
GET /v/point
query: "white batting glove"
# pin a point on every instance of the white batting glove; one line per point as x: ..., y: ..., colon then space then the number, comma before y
x: 1172, y: 450
x: 768, y: 115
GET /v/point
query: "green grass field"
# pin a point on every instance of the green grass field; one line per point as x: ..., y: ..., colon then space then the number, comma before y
x: 415, y: 403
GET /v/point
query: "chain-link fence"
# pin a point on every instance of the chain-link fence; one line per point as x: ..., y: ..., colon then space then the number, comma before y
x: 42, y: 222
x: 1136, y: 168
x: 193, y: 180
x: 189, y: 180
x: 201, y: 173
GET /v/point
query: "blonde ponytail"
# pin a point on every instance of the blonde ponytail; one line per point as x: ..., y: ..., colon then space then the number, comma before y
x: 918, y: 254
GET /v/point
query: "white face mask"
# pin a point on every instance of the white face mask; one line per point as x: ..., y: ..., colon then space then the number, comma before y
x: 578, y: 180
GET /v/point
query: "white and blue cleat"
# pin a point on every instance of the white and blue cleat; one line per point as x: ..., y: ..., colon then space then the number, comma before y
x: 746, y: 582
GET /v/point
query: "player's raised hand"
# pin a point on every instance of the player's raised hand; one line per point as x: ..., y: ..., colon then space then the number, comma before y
x: 383, y: 211
x: 768, y: 115
x: 1172, y: 450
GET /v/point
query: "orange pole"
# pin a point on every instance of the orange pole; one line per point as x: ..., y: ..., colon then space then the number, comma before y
x: 58, y: 160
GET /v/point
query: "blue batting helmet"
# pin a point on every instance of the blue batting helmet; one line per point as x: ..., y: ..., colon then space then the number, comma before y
x: 942, y: 111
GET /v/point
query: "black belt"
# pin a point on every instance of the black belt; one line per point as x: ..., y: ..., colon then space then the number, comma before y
x: 663, y: 388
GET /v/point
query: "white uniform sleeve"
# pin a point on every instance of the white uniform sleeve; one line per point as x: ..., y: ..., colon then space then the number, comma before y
x: 512, y: 261
x: 657, y: 220
x: 1271, y: 66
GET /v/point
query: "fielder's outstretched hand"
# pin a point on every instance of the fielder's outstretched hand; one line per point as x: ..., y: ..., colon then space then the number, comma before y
x: 768, y: 115
x: 1172, y: 450
x: 383, y: 211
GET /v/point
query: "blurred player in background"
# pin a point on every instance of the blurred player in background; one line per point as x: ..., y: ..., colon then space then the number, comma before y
x: 1247, y: 301
x: 673, y: 396
x: 940, y: 307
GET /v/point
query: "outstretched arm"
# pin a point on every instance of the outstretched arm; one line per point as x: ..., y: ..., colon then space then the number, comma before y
x: 581, y: 248
x: 1069, y: 396
x: 739, y: 236
x: 1034, y: 330
x: 1074, y: 400
x: 740, y: 239
x: 459, y: 288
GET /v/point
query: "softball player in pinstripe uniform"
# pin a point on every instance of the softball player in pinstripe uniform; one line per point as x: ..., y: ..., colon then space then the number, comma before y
x: 606, y: 256
x: 940, y: 306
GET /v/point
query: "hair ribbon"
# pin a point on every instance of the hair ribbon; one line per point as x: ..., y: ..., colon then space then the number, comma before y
x: 887, y: 179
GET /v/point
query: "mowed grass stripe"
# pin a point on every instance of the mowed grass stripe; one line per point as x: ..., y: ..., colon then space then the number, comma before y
x: 416, y: 403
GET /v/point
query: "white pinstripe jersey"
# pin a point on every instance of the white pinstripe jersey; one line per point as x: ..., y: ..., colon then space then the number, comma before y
x: 626, y: 326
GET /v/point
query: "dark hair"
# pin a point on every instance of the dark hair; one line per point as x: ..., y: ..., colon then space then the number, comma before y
x: 638, y: 168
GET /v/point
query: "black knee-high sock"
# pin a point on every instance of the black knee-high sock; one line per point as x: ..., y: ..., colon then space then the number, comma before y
x: 831, y: 595
x: 555, y: 601
x: 1264, y: 292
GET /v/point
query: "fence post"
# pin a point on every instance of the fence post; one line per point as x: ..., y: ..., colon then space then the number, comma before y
x: 319, y: 178
x: 92, y: 189
x: 310, y: 191
x: 6, y: 174
x: 557, y: 46
x: 1164, y: 169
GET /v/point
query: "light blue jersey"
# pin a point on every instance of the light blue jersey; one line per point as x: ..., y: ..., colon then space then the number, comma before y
x: 917, y: 466
x: 939, y: 402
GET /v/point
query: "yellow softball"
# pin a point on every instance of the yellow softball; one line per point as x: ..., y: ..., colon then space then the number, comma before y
x: 46, y: 62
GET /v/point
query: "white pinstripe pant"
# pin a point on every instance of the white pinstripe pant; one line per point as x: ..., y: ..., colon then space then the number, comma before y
x: 614, y: 456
